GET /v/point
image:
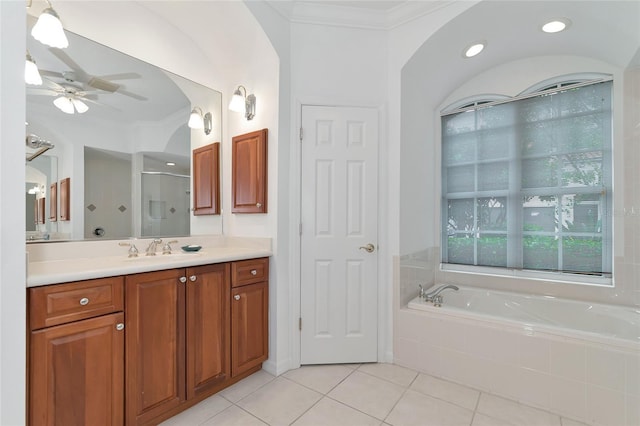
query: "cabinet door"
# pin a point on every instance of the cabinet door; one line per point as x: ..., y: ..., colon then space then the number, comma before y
x: 249, y: 327
x: 53, y: 202
x: 249, y: 173
x: 208, y: 339
x: 154, y: 304
x: 77, y: 373
x: 65, y: 196
x: 206, y: 179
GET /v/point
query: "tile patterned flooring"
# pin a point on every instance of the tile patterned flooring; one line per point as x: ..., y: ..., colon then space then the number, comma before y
x: 359, y: 394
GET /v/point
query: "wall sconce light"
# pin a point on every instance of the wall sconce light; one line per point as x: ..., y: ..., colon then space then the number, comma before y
x: 242, y: 103
x: 198, y: 121
x: 48, y: 30
x: 31, y: 73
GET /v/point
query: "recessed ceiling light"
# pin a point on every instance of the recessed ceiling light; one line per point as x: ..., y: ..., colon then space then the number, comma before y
x: 474, y: 49
x: 170, y: 163
x: 556, y: 25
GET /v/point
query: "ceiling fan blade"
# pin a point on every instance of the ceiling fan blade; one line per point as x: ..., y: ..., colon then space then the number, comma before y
x: 131, y: 95
x: 42, y: 92
x: 80, y: 74
x: 102, y: 84
x: 121, y: 76
x: 51, y: 73
x: 52, y: 84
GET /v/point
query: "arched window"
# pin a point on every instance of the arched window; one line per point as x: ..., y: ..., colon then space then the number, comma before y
x: 527, y: 181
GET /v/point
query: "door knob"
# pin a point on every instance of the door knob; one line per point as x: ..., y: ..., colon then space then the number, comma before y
x: 369, y: 248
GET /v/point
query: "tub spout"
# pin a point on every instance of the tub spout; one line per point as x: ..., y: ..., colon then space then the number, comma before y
x: 434, y: 295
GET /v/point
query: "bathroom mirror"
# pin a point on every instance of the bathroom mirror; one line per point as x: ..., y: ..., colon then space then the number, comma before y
x: 126, y: 146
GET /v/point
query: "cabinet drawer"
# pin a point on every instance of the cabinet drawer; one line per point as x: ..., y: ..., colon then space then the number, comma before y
x: 63, y: 303
x: 249, y: 271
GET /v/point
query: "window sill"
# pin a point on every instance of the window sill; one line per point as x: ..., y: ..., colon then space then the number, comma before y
x: 550, y: 277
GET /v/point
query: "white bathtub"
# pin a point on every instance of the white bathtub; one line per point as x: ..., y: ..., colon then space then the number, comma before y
x: 554, y: 315
x: 580, y: 360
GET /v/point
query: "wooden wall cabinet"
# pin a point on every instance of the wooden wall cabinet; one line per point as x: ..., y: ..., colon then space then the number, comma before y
x: 40, y: 212
x: 76, y: 354
x: 249, y: 172
x: 206, y: 180
x: 65, y: 199
x: 53, y: 202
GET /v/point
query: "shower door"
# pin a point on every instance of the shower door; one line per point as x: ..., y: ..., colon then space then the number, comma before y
x: 165, y: 205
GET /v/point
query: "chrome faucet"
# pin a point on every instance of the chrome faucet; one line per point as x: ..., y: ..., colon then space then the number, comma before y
x: 151, y: 250
x: 434, y: 296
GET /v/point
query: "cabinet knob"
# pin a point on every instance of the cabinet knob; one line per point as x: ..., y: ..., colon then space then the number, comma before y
x: 237, y: 297
x: 183, y: 279
x: 258, y: 205
x: 254, y: 272
x: 192, y: 278
x: 84, y: 301
x: 120, y: 326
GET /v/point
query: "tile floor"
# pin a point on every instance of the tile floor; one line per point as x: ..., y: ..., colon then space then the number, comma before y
x: 359, y: 394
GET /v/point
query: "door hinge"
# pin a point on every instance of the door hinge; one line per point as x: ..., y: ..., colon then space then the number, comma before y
x: 300, y: 134
x: 300, y: 323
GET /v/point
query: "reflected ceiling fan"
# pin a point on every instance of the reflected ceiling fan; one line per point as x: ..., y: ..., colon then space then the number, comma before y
x: 70, y: 98
x: 78, y: 76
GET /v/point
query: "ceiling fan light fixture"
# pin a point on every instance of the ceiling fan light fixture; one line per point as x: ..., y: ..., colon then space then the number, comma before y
x: 31, y: 73
x: 80, y: 106
x: 195, y: 119
x: 64, y: 104
x: 48, y: 30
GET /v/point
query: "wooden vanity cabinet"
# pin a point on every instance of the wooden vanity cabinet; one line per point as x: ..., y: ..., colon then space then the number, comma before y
x: 249, y: 315
x: 76, y: 354
x: 177, y: 339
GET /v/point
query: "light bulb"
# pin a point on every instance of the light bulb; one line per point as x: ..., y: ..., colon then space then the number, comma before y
x: 80, y: 106
x: 195, y: 119
x: 237, y: 103
x: 64, y: 104
x: 31, y: 73
x: 48, y: 30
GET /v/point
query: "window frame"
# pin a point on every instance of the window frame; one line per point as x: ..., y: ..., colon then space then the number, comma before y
x: 548, y: 86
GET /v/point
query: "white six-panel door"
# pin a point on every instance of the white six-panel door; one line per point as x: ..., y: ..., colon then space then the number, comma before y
x: 339, y: 283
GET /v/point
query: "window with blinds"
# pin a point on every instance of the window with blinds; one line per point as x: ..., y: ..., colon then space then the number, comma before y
x: 526, y: 182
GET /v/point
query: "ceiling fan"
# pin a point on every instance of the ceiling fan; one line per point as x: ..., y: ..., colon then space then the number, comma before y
x: 78, y: 76
x: 70, y: 98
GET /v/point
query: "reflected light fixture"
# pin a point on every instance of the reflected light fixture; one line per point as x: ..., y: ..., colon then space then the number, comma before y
x: 70, y: 105
x: 474, y: 49
x: 556, y: 25
x: 31, y: 73
x: 199, y: 121
x: 48, y: 29
x: 240, y: 102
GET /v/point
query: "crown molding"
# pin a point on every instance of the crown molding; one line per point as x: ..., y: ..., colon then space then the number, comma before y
x: 348, y: 15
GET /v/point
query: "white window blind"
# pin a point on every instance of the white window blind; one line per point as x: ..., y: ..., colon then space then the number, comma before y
x: 526, y: 184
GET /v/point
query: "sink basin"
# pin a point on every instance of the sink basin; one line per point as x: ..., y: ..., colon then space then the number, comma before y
x: 176, y: 255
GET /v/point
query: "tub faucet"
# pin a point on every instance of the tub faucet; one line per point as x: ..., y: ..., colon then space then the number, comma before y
x: 434, y: 296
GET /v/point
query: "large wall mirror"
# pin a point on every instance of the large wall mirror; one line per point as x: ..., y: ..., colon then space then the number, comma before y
x: 126, y: 147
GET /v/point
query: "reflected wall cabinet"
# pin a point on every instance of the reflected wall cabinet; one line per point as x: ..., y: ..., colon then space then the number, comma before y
x: 249, y: 172
x: 53, y: 202
x: 206, y: 180
x: 65, y: 195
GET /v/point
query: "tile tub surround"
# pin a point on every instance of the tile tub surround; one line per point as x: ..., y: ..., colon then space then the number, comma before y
x: 367, y: 394
x: 52, y: 263
x: 592, y: 382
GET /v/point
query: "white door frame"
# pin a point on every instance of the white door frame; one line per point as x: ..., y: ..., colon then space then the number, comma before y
x: 385, y: 269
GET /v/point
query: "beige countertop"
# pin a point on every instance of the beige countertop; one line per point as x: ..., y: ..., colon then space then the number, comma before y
x: 43, y: 269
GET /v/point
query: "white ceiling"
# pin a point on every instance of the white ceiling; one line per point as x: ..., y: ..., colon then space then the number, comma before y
x: 372, y: 14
